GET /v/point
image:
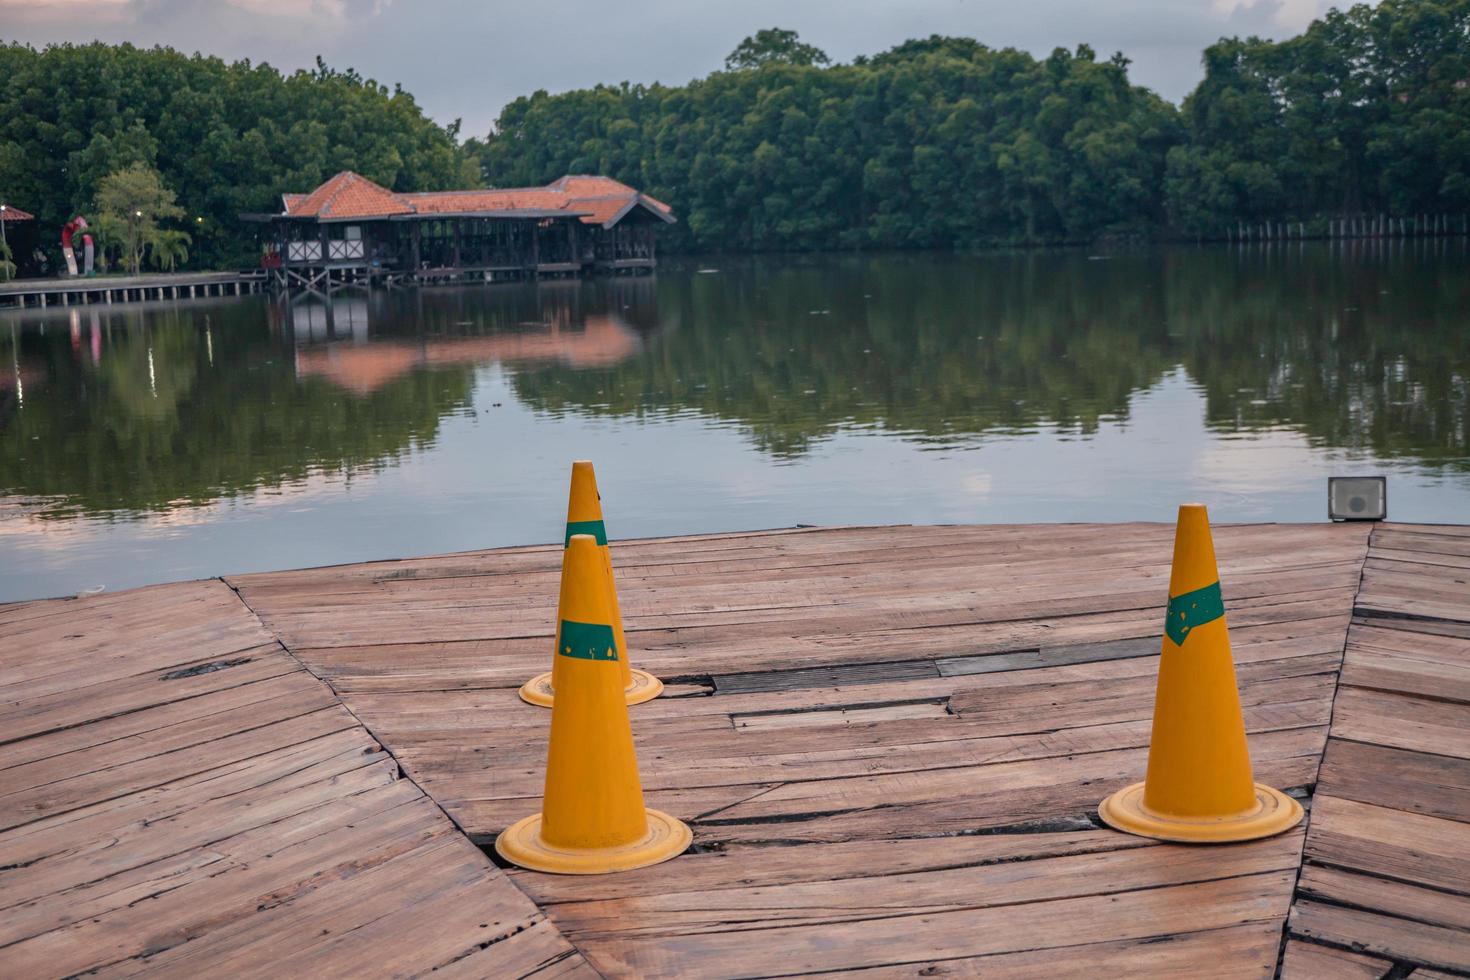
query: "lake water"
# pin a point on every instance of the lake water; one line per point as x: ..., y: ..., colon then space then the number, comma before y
x: 152, y: 442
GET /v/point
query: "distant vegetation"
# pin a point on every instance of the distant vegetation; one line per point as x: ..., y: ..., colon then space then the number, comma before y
x: 1368, y: 112
x: 947, y: 142
x: 226, y: 138
x: 937, y: 142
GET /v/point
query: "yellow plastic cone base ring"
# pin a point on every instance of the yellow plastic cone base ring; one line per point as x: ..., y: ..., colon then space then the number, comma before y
x: 644, y: 687
x: 521, y: 844
x: 1275, y: 812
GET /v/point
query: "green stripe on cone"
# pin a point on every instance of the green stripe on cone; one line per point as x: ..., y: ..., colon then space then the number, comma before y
x: 587, y: 641
x: 594, y: 528
x: 1193, y: 609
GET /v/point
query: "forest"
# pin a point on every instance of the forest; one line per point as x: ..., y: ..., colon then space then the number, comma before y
x: 939, y: 142
x: 224, y: 138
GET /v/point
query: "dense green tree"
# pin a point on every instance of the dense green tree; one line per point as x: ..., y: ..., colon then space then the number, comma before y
x: 131, y: 206
x: 774, y: 46
x: 936, y: 143
x: 1367, y: 112
x: 168, y: 248
x: 226, y: 137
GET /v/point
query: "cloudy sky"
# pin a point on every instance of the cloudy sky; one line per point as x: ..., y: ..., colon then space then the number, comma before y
x: 466, y: 58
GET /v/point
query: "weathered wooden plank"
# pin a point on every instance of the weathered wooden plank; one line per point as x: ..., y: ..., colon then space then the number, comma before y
x: 413, y: 712
x: 1382, y: 671
x: 539, y: 951
x: 179, y: 796
x: 93, y: 702
x: 681, y: 761
x: 1074, y: 794
x: 989, y: 683
x: 741, y: 866
x: 1383, y: 935
x: 1414, y: 625
x: 1245, y: 951
x: 1055, y: 656
x: 1309, y: 961
x: 920, y: 938
x: 1392, y: 808
x: 153, y: 729
x: 837, y: 674
x: 1401, y: 721
x: 1383, y: 841
x: 115, y: 919
x: 1434, y: 785
x: 71, y: 790
x: 925, y: 893
x: 1393, y: 898
x: 770, y: 721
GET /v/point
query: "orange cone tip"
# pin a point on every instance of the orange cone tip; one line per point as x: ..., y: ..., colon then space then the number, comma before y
x: 1199, y: 786
x: 592, y: 820
x: 584, y: 516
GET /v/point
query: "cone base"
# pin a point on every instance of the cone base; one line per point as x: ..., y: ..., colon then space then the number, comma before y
x: 644, y: 687
x: 521, y: 844
x: 1275, y: 812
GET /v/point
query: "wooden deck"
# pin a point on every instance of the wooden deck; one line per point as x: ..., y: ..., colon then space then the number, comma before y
x: 178, y: 796
x: 890, y: 744
x: 73, y: 290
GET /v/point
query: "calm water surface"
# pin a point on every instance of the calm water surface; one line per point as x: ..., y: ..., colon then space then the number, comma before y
x: 152, y: 442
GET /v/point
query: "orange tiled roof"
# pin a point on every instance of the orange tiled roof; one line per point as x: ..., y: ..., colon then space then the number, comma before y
x: 601, y: 210
x: 511, y: 199
x: 597, y: 200
x: 588, y: 186
x: 13, y: 213
x: 349, y: 195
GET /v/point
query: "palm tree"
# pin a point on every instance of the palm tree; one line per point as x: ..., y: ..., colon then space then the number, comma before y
x: 169, y: 247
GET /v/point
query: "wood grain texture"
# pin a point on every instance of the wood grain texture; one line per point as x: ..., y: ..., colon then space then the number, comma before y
x: 1386, y: 870
x: 890, y: 742
x: 180, y: 797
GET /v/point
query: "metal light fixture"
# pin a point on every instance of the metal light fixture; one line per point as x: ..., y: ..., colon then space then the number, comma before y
x: 1357, y: 498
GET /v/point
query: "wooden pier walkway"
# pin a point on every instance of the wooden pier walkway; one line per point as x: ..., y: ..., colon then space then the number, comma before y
x: 890, y: 744
x: 79, y: 290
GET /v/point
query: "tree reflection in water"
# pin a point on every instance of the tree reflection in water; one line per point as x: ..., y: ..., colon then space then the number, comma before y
x: 116, y: 410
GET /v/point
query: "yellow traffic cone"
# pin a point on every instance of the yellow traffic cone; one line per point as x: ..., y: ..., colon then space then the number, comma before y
x: 584, y: 516
x: 593, y: 820
x: 1199, y: 787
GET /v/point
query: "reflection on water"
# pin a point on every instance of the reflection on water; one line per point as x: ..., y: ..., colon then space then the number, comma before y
x: 146, y: 442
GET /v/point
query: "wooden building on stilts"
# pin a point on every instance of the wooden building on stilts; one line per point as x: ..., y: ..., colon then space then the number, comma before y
x: 353, y: 231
